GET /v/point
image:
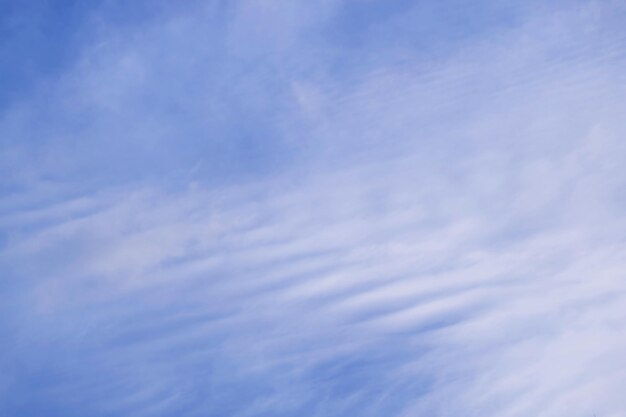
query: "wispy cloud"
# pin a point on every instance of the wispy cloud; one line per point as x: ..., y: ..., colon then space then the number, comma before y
x: 210, y: 213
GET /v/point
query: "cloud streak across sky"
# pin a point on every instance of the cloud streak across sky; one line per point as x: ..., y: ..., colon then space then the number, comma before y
x: 333, y: 208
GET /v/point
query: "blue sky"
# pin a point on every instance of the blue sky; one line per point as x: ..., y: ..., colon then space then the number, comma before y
x: 331, y: 208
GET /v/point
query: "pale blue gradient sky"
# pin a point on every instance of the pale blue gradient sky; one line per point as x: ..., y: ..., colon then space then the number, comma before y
x: 331, y: 208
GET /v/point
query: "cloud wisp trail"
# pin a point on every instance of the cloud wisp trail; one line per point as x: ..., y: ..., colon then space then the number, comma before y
x: 319, y: 298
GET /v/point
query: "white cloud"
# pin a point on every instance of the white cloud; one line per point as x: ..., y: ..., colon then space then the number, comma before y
x: 451, y: 244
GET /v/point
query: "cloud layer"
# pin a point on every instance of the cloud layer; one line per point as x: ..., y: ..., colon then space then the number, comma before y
x: 262, y: 209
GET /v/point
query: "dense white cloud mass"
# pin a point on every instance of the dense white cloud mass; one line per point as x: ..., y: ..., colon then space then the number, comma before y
x: 265, y: 209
